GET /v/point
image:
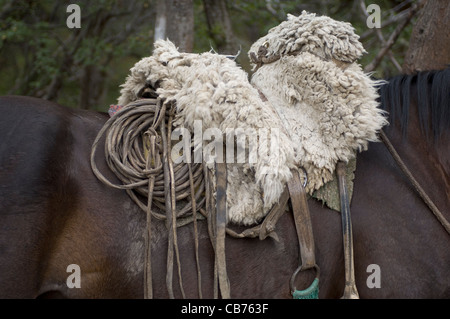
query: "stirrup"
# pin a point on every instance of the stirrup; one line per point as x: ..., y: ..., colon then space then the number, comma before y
x: 312, y: 292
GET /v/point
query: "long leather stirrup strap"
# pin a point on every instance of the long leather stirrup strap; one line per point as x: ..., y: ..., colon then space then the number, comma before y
x: 303, y: 226
x: 350, y: 290
x: 221, y: 220
x: 302, y: 220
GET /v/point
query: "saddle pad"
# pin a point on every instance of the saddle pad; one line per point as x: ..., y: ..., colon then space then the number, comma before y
x: 328, y: 194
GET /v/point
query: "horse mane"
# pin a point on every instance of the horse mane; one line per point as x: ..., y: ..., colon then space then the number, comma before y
x: 429, y: 89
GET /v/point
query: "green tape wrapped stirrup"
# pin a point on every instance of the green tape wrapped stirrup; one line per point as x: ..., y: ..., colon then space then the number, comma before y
x: 312, y: 292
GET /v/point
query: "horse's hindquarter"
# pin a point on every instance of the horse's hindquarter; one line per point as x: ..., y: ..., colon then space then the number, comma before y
x: 31, y: 141
x: 53, y: 211
x: 104, y: 234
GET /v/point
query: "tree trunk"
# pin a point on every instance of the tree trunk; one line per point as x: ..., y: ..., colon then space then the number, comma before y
x: 429, y: 47
x: 92, y: 86
x: 219, y: 26
x: 175, y: 21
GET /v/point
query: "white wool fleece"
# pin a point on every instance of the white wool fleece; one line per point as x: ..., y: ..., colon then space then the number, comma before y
x: 212, y: 89
x: 329, y: 108
x: 330, y: 112
x: 319, y: 100
x: 319, y: 35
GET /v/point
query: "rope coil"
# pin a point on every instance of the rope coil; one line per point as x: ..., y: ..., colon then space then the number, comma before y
x: 134, y: 152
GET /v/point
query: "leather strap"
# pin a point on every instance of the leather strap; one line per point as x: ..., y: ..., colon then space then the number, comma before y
x: 267, y: 228
x: 221, y: 221
x: 431, y: 205
x: 350, y: 290
x: 302, y: 220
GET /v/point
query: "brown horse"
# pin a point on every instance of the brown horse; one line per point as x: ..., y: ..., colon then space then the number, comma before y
x: 54, y: 213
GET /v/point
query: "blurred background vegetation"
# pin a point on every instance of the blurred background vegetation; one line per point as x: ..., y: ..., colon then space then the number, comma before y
x: 40, y: 56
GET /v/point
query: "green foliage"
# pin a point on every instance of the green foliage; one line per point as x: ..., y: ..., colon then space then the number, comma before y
x: 41, y: 56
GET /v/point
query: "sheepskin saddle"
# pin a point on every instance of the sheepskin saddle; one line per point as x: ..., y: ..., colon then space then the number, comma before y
x: 318, y: 108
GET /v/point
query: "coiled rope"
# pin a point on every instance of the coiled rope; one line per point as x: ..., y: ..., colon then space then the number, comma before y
x: 133, y: 151
x: 137, y: 151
